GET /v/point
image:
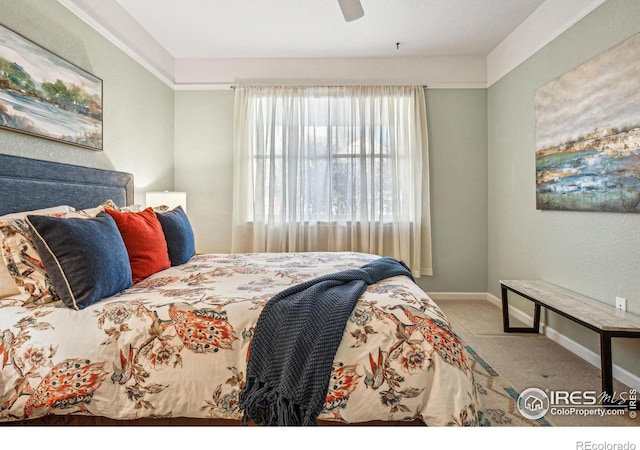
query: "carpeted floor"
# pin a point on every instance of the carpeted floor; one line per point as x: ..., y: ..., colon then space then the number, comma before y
x: 523, y: 361
x: 498, y: 397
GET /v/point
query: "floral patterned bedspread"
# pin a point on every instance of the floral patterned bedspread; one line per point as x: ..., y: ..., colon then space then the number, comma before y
x: 177, y: 344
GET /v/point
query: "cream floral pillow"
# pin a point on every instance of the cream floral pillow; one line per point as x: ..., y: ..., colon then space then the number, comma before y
x: 24, y: 264
x: 8, y: 287
x: 23, y: 260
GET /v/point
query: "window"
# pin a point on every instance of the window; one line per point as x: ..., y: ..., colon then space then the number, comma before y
x: 331, y: 169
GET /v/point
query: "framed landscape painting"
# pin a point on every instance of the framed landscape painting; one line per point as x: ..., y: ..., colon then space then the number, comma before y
x: 588, y: 135
x: 44, y: 95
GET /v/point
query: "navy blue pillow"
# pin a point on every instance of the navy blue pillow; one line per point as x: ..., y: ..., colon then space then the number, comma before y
x: 178, y: 234
x: 86, y: 259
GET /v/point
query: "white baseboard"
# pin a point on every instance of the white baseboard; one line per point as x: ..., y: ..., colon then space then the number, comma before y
x: 624, y: 376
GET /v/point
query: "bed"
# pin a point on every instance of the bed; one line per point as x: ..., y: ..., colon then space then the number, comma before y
x: 174, y: 347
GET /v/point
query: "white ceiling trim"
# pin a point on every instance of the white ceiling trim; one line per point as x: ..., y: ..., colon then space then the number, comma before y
x: 228, y: 86
x: 449, y: 71
x: 135, y: 41
x: 550, y: 20
x: 204, y: 86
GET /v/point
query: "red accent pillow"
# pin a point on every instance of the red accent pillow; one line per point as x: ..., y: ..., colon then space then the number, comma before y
x: 144, y: 239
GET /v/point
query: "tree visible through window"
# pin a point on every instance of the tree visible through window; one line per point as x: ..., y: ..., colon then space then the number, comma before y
x: 333, y: 171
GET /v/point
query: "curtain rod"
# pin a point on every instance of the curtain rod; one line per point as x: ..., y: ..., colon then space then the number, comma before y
x: 233, y: 86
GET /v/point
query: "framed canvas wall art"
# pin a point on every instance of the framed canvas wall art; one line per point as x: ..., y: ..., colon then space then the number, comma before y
x: 588, y: 135
x: 44, y: 95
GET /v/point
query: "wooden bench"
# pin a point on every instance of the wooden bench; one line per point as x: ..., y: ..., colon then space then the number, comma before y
x: 604, y: 319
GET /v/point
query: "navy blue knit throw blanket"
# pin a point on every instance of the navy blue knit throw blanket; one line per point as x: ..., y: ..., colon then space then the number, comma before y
x: 295, y: 341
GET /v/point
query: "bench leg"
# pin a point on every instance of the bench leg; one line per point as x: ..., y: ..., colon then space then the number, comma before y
x: 606, y: 366
x: 505, y: 316
x: 536, y: 318
x: 505, y: 309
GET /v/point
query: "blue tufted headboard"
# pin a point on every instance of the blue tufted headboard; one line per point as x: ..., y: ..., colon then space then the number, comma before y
x: 27, y: 184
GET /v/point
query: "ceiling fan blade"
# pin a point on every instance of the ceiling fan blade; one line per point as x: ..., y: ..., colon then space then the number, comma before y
x: 351, y: 9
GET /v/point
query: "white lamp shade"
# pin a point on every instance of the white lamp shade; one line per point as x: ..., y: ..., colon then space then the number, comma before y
x: 170, y: 199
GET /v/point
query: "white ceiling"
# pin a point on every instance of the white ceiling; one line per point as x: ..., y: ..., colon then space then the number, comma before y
x: 448, y: 42
x: 316, y: 28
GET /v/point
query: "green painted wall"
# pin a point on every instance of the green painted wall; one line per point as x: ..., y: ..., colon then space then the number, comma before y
x: 204, y: 164
x: 457, y: 123
x: 595, y: 254
x: 137, y: 107
x: 457, y: 156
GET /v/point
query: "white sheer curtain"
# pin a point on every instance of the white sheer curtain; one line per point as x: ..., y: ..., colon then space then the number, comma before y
x: 332, y: 169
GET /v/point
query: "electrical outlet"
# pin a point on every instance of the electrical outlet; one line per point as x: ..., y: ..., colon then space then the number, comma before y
x: 621, y: 303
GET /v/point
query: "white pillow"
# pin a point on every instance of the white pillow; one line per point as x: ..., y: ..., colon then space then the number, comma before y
x: 39, y: 212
